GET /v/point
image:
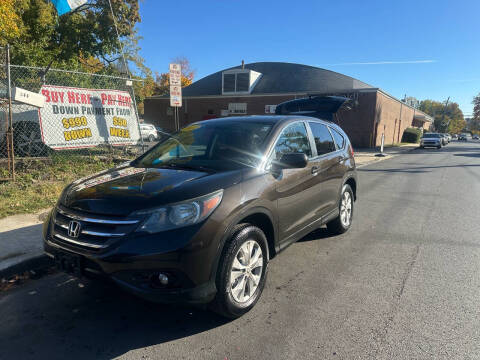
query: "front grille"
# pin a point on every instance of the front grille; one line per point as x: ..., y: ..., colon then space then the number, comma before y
x: 96, y: 232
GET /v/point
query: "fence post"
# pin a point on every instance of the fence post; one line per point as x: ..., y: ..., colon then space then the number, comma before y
x: 10, y: 147
x: 136, y: 114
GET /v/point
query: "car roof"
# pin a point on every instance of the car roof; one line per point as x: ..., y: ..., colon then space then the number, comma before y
x: 267, y: 119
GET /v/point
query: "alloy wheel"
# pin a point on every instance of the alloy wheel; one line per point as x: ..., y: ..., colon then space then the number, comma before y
x: 346, y: 209
x: 246, y: 271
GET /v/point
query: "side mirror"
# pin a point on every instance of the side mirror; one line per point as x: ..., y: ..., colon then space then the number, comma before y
x: 291, y: 161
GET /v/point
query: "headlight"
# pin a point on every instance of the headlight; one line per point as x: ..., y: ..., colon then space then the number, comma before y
x: 180, y: 214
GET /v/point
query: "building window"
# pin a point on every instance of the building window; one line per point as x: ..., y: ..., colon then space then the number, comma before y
x: 237, y: 108
x: 239, y: 81
x: 229, y: 82
x: 243, y: 80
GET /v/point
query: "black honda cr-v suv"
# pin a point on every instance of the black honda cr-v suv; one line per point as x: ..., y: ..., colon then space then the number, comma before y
x: 198, y: 217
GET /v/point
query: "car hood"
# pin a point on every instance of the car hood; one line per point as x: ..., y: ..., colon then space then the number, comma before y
x: 122, y: 190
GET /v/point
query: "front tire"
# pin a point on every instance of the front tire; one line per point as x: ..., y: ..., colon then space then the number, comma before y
x: 343, y: 221
x: 151, y: 138
x: 242, y: 272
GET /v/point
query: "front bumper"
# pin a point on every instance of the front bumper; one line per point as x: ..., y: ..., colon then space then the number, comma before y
x: 185, y: 255
x: 430, y: 143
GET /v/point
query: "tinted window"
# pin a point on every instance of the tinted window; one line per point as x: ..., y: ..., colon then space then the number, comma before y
x: 323, y: 139
x: 339, y: 139
x: 294, y: 139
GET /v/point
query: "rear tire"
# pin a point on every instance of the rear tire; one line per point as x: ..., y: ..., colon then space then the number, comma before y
x: 343, y: 221
x: 242, y: 272
x: 151, y: 138
x: 439, y: 146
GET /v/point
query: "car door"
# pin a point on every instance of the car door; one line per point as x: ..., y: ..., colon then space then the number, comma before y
x: 293, y: 186
x: 328, y: 168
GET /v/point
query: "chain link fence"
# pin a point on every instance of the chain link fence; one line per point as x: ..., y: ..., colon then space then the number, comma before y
x: 82, y: 115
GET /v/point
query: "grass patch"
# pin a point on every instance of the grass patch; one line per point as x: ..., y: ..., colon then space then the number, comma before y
x: 39, y: 183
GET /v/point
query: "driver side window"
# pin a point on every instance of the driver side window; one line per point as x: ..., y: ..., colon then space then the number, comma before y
x: 294, y: 139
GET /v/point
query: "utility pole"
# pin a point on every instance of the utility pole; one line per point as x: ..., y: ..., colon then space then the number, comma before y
x: 443, y: 115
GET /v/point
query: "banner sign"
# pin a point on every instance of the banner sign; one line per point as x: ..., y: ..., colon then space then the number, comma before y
x: 175, y: 85
x: 77, y: 118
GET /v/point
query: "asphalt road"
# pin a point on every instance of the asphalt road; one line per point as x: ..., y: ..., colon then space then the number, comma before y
x: 404, y: 283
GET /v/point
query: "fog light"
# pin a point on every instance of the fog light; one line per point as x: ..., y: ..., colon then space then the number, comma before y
x: 163, y: 279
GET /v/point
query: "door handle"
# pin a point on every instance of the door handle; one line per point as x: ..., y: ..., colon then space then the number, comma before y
x: 315, y: 170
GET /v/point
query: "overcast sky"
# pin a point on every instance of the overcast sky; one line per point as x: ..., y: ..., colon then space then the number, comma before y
x: 426, y: 49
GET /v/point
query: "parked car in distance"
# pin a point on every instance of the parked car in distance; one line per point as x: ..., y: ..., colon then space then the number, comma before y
x: 449, y: 137
x: 475, y: 137
x: 148, y: 132
x: 444, y: 139
x: 462, y: 137
x: 431, y: 140
x: 454, y: 136
x: 198, y: 217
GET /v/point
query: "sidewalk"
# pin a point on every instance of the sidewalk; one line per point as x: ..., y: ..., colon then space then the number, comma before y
x: 21, y: 245
x: 366, y: 156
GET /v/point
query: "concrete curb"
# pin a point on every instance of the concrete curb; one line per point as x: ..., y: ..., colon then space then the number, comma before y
x: 37, y: 263
x: 388, y: 156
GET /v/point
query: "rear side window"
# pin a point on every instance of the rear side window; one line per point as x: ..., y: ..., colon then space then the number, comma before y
x: 323, y: 138
x: 294, y: 139
x: 339, y: 139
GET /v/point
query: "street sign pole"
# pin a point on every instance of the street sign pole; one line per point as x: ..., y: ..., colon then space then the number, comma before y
x: 176, y: 91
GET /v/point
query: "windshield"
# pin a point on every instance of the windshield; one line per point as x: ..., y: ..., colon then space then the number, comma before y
x: 431, y: 135
x: 216, y: 145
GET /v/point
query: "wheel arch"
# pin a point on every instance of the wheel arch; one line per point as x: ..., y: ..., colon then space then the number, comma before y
x: 259, y: 217
x: 353, y: 184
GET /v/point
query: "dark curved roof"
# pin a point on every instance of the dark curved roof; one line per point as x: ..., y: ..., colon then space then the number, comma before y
x: 280, y: 77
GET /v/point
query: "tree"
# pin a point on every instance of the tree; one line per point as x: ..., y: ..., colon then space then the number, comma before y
x: 474, y: 123
x: 9, y: 22
x: 88, y: 31
x: 446, y: 118
x: 143, y: 89
x: 163, y: 80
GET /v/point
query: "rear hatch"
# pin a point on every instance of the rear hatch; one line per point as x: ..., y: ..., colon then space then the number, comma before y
x: 322, y: 107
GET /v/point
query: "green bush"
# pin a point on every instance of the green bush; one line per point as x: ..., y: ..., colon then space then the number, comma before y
x: 411, y: 135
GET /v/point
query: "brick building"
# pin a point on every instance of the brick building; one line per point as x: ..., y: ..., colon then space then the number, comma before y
x: 255, y: 89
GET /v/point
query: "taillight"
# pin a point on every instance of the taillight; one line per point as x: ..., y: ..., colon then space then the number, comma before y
x: 351, y: 150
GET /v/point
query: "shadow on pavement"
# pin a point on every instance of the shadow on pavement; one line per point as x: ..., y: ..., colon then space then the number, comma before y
x: 63, y: 317
x: 477, y: 154
x: 320, y: 233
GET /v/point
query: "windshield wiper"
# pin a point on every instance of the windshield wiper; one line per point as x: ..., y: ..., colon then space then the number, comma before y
x: 185, y: 167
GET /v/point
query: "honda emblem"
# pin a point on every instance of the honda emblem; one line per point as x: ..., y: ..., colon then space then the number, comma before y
x: 74, y: 229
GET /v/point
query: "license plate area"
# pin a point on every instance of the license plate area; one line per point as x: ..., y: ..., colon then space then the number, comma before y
x: 69, y: 263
